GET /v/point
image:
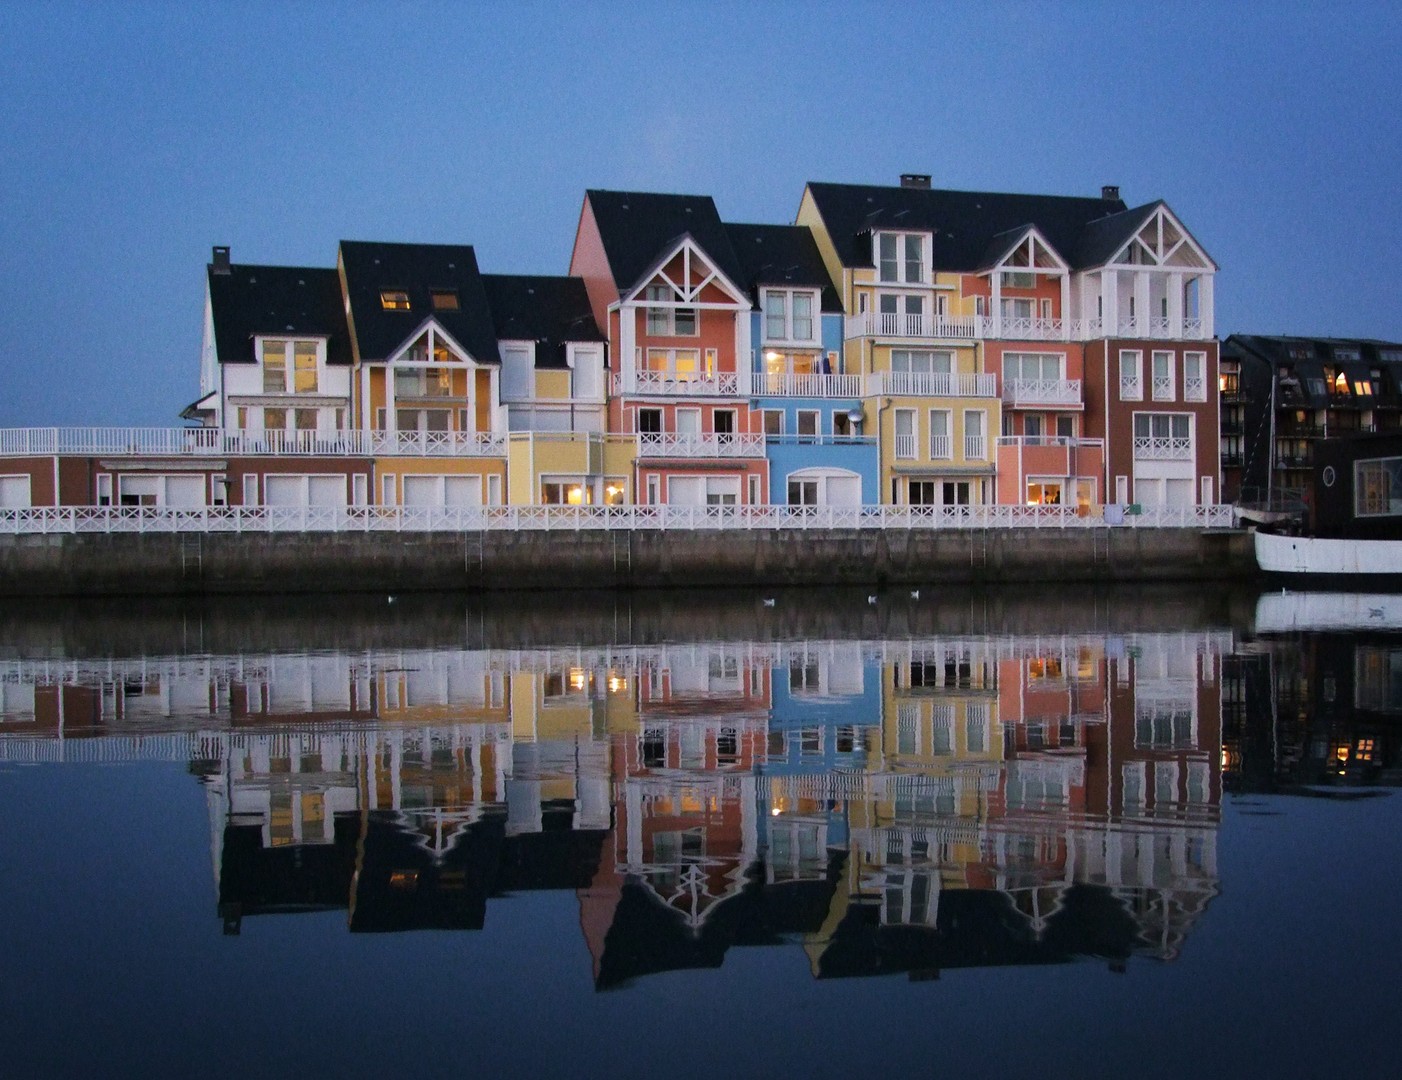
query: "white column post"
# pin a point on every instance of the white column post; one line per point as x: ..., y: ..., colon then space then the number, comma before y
x: 1142, y: 314
x: 997, y: 303
x: 391, y: 418
x: 1065, y: 306
x: 1109, y: 306
x: 1175, y: 305
x: 1205, y: 302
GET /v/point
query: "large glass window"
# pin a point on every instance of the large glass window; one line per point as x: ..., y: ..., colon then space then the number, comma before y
x: 1377, y: 487
x: 1131, y: 389
x: 789, y: 315
x: 921, y: 362
x: 901, y: 257
x: 668, y: 321
x: 279, y: 357
x: 1032, y: 366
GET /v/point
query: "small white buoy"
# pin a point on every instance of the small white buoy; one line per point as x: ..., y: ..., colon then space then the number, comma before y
x: 871, y: 599
x: 389, y: 600
x: 769, y: 601
x: 915, y: 594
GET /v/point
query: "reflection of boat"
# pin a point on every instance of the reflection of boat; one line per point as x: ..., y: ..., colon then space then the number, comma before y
x: 1284, y: 612
x: 1322, y: 556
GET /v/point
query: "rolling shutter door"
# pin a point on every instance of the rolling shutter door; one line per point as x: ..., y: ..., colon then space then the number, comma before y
x: 328, y: 490
x: 185, y: 491
x: 462, y: 491
x: 283, y: 491
x: 14, y: 492
x: 686, y: 490
x: 844, y: 491
x: 421, y: 491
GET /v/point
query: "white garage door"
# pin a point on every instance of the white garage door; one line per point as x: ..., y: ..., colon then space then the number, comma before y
x: 1179, y: 493
x: 845, y: 491
x: 1148, y: 492
x: 14, y: 492
x: 422, y: 491
x: 328, y: 490
x: 462, y: 491
x: 294, y: 489
x: 184, y: 491
x: 284, y: 491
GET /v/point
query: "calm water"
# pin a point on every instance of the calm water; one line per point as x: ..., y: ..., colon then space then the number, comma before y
x: 1128, y: 833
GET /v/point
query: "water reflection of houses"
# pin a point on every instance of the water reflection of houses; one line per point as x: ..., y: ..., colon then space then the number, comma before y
x: 888, y: 806
x: 1316, y: 714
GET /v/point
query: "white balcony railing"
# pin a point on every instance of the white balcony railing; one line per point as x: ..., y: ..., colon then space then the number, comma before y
x: 927, y: 384
x: 887, y: 324
x: 272, y: 519
x: 1194, y: 388
x: 905, y: 447
x: 677, y: 384
x: 438, y: 444
x: 941, y: 447
x: 975, y: 447
x: 1019, y: 327
x: 763, y: 384
x: 1156, y: 449
x: 671, y: 445
x: 1051, y: 440
x: 205, y: 442
x: 1131, y: 390
x: 1042, y: 392
x: 1162, y: 389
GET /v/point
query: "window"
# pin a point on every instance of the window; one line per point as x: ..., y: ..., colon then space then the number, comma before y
x: 302, y: 364
x: 274, y: 419
x: 1131, y: 388
x: 650, y: 421
x: 680, y: 364
x: 788, y: 316
x: 723, y: 421
x: 807, y: 425
x: 1032, y: 367
x: 803, y: 493
x: 773, y: 422
x: 394, y: 300
x: 901, y: 257
x: 1163, y: 436
x: 1019, y: 279
x: 940, y: 446
x: 668, y: 321
x: 975, y: 424
x: 1377, y: 487
x: 1163, y: 376
x: 274, y: 367
x: 921, y: 493
x: 1195, y: 376
x: 444, y: 299
x: 905, y: 433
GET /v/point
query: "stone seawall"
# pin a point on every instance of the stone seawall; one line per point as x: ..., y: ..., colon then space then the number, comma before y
x: 171, y: 564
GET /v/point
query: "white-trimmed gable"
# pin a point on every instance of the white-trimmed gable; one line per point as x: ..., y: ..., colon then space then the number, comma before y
x: 687, y: 282
x: 1031, y: 251
x: 1162, y: 242
x: 430, y: 345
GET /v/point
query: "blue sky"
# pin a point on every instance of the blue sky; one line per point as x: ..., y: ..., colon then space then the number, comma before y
x: 134, y: 137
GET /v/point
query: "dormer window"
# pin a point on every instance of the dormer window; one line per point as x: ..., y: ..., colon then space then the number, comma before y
x: 444, y: 299
x: 788, y: 315
x: 901, y: 257
x: 281, y: 359
x: 394, y: 300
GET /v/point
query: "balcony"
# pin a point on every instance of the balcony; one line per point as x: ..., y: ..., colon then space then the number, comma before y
x: 215, y: 442
x: 905, y: 447
x: 437, y: 444
x: 677, y: 384
x: 975, y: 447
x: 1068, y: 442
x: 763, y: 384
x: 936, y: 384
x: 935, y: 327
x: 1026, y: 328
x: 1029, y: 393
x: 671, y: 445
x: 1149, y: 448
x: 1136, y: 327
x: 941, y: 447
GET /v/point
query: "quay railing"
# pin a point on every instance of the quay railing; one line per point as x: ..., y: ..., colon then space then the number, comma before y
x: 217, y: 442
x: 342, y: 519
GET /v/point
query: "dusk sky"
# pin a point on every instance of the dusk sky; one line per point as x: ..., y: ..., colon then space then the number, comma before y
x: 134, y: 137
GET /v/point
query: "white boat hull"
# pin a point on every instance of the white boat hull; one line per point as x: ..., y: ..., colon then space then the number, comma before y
x: 1312, y: 555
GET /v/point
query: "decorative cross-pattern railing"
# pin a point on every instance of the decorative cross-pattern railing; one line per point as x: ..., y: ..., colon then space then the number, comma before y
x: 700, y: 446
x: 1020, y: 327
x: 1051, y: 440
x: 273, y: 519
x: 217, y: 442
x: 1042, y: 391
x: 1160, y: 449
x: 892, y: 324
x: 677, y: 384
x: 1026, y: 328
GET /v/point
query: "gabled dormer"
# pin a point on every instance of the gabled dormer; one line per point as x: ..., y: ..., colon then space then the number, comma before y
x: 1028, y: 287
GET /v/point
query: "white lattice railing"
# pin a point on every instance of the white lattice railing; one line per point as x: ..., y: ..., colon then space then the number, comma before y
x: 1042, y: 391
x: 205, y: 442
x: 670, y: 445
x: 1020, y: 327
x: 1163, y: 388
x: 1027, y: 328
x: 272, y: 519
x: 1156, y: 449
x: 1051, y: 440
x: 941, y: 447
x: 677, y: 384
x: 975, y: 447
x: 891, y: 324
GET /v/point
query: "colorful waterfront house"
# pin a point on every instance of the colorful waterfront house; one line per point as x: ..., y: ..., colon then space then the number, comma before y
x: 667, y: 288
x: 554, y: 376
x: 427, y: 373
x: 912, y: 334
x: 275, y: 383
x: 809, y: 406
x: 1142, y: 297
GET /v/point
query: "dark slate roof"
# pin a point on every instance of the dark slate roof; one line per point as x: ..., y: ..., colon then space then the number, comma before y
x: 251, y: 300
x: 547, y: 310
x: 1305, y: 358
x: 781, y: 255
x: 416, y: 269
x: 638, y: 228
x: 966, y: 223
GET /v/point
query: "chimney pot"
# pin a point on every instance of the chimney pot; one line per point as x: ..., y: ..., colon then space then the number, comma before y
x: 1110, y: 192
x: 221, y: 259
x: 916, y: 180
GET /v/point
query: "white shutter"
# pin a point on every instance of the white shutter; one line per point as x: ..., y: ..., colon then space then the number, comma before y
x: 844, y: 491
x: 422, y: 491
x: 686, y: 490
x: 462, y: 491
x: 185, y: 491
x: 14, y: 492
x: 284, y: 490
x: 328, y: 491
x: 1179, y: 493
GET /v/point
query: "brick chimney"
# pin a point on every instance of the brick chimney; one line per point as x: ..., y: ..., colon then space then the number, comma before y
x: 1110, y: 192
x: 220, y: 262
x: 915, y: 180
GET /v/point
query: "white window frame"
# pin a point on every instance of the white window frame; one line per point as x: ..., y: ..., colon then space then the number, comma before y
x: 905, y: 450
x: 902, y: 262
x: 1195, y: 383
x: 1162, y: 386
x: 1132, y: 386
x: 289, y: 370
x: 785, y: 318
x: 661, y: 313
x: 942, y: 446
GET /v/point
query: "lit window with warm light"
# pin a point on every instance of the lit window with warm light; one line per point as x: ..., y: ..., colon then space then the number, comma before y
x: 394, y: 300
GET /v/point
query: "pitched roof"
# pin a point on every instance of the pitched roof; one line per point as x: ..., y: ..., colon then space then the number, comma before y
x: 418, y: 270
x: 964, y: 223
x: 273, y: 300
x: 781, y: 255
x: 637, y: 228
x: 1102, y: 238
x: 547, y: 310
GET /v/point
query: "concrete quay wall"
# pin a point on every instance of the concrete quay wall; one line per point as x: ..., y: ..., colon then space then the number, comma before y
x: 173, y: 564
